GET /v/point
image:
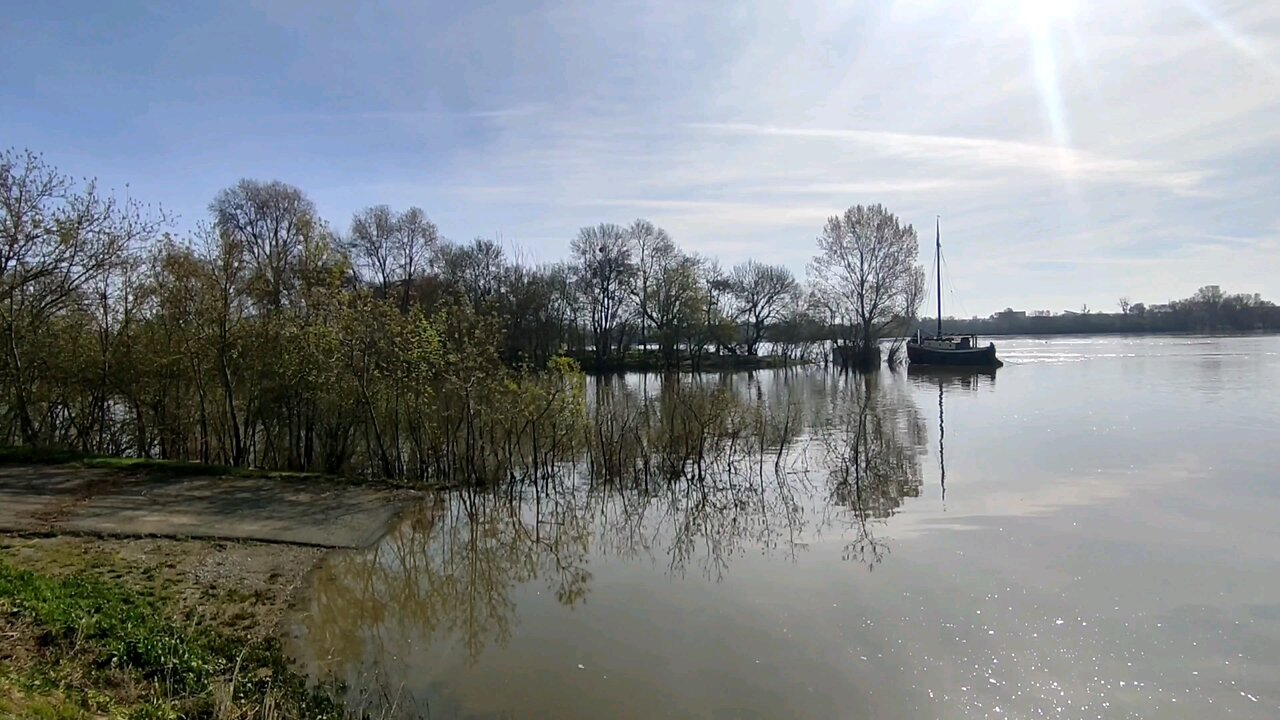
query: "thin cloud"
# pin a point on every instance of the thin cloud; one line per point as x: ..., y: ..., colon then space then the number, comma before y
x: 714, y: 213
x: 870, y: 187
x: 498, y: 113
x: 1068, y: 162
x: 509, y: 112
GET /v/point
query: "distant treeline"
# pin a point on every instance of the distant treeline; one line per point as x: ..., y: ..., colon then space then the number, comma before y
x: 1208, y: 310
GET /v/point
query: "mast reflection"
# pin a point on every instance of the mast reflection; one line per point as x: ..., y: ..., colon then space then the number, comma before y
x: 957, y: 378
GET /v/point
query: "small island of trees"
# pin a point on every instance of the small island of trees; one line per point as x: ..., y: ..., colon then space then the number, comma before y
x: 268, y: 338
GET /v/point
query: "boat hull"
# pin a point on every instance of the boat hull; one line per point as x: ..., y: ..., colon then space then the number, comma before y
x: 970, y: 357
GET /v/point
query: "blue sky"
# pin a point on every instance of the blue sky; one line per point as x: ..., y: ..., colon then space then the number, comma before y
x: 1077, y: 150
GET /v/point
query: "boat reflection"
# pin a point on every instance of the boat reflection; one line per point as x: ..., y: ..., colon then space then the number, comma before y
x: 955, y: 377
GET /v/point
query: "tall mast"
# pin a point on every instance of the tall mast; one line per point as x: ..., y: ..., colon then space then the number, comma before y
x: 937, y: 267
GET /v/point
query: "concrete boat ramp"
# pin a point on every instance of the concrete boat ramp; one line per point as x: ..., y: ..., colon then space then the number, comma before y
x: 72, y: 500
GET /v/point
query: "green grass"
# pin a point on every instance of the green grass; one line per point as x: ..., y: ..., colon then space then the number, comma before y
x: 174, y: 469
x: 95, y: 646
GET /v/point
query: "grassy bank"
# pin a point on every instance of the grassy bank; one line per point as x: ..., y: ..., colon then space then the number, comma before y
x: 144, y: 466
x: 148, y: 629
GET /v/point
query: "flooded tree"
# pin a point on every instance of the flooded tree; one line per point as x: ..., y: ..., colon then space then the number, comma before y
x: 264, y: 339
x: 867, y: 273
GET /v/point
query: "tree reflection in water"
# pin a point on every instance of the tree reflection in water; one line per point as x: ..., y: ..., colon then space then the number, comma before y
x: 684, y: 473
x: 873, y: 447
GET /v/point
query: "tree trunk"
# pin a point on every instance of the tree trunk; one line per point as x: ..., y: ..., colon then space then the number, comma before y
x: 228, y: 391
x: 21, y: 405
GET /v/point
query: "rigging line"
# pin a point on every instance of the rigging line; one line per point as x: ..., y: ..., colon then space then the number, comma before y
x: 964, y: 312
x: 928, y: 294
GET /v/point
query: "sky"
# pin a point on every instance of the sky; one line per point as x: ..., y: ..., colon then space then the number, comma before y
x: 1076, y: 151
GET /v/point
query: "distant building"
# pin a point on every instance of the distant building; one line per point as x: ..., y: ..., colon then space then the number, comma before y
x: 1161, y: 308
x: 1040, y: 313
x: 1070, y: 312
x: 1010, y: 314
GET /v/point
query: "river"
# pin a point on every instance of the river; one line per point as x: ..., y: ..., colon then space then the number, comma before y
x: 1093, y: 531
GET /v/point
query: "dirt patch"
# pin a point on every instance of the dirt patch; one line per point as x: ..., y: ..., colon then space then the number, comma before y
x: 244, y: 585
x: 18, y: 642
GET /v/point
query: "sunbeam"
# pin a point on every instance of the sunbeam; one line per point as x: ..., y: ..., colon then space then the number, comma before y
x: 1043, y: 19
x: 1044, y: 63
x: 1235, y: 39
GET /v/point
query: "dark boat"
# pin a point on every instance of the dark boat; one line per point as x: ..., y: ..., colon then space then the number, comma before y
x: 955, y: 350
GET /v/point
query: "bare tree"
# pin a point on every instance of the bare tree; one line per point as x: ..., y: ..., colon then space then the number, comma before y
x: 394, y: 248
x: 604, y: 272
x: 416, y: 242
x: 373, y: 235
x: 273, y: 221
x: 1208, y: 296
x: 227, y: 276
x: 476, y: 270
x: 650, y: 244
x: 665, y: 284
x: 866, y: 272
x: 912, y: 298
x: 1125, y: 305
x: 760, y: 293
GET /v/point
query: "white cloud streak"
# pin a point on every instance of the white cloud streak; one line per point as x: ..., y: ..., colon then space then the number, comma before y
x: 1073, y: 164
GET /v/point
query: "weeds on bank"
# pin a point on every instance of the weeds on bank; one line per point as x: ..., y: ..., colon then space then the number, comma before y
x: 80, y: 647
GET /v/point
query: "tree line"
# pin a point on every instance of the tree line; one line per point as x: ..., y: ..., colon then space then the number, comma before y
x: 1209, y: 309
x: 268, y: 338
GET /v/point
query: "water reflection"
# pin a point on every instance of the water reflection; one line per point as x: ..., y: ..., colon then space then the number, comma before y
x: 680, y: 475
x: 872, y: 460
x: 703, y: 552
x: 963, y: 379
x: 447, y: 570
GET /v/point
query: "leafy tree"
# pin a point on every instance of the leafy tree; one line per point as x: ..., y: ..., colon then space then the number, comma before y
x: 58, y: 241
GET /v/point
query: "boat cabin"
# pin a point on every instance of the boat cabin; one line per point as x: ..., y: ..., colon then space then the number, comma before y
x: 948, y: 342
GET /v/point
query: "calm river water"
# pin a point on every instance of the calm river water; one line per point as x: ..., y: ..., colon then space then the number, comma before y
x: 1091, y: 532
